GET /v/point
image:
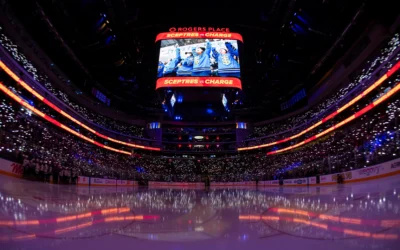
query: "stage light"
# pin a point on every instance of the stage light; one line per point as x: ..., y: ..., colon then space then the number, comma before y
x: 108, y: 40
x: 210, y: 111
x: 303, y: 20
x: 180, y: 98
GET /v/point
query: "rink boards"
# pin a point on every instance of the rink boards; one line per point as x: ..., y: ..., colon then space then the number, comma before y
x: 385, y: 169
x: 10, y: 168
x: 100, y: 182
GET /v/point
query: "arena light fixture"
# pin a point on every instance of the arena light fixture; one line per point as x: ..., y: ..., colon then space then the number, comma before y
x: 345, y: 121
x: 60, y: 111
x: 55, y: 122
x: 377, y: 83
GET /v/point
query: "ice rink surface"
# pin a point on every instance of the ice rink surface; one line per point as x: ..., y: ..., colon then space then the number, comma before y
x: 363, y: 215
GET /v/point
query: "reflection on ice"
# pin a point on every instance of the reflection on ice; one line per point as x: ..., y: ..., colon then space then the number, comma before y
x: 357, y: 214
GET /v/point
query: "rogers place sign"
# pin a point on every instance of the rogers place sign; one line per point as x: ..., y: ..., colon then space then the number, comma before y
x: 198, y: 29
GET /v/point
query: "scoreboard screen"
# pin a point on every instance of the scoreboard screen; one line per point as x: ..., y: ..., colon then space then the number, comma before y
x: 199, y: 62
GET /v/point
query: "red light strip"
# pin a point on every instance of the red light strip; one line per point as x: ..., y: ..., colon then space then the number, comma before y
x: 60, y: 111
x: 338, y: 125
x: 55, y: 122
x: 390, y: 72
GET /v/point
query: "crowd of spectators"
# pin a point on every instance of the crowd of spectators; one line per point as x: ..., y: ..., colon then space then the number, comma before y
x: 291, y: 124
x: 365, y: 101
x: 371, y: 139
x: 42, y: 148
x: 43, y: 79
x: 46, y: 150
x: 310, y: 115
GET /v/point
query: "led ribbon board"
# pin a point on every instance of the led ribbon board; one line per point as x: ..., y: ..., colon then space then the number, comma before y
x: 211, y: 82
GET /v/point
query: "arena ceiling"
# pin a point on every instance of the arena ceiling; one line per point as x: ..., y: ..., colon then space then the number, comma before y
x: 282, y: 53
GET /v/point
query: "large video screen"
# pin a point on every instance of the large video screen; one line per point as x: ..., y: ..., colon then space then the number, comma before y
x: 199, y: 58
